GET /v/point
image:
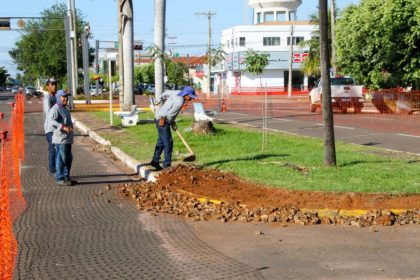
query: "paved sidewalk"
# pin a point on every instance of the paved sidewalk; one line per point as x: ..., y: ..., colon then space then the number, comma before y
x: 89, y: 232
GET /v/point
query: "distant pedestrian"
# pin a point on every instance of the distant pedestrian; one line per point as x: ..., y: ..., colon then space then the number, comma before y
x: 165, y: 119
x: 48, y: 103
x: 61, y: 122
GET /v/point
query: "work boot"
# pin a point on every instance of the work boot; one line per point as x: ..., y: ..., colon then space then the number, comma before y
x: 156, y: 165
x: 72, y: 182
x: 63, y: 183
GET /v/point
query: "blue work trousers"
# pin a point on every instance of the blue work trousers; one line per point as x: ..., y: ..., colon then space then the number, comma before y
x: 164, y: 144
x: 64, y: 158
x: 51, y: 153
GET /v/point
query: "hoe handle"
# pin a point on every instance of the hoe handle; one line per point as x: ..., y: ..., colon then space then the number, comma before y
x: 183, y: 141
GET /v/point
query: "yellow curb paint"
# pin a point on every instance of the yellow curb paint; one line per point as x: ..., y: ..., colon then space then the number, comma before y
x: 330, y: 213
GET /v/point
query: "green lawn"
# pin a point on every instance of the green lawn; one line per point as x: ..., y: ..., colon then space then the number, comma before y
x: 238, y: 150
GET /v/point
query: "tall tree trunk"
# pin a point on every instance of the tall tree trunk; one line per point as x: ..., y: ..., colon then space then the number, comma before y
x: 128, y: 53
x: 160, y: 17
x: 333, y: 49
x: 327, y: 112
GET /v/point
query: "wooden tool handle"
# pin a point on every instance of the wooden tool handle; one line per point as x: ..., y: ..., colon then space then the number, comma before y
x: 183, y: 141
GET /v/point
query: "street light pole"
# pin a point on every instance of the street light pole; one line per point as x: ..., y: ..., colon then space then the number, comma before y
x: 85, y: 52
x: 209, y: 15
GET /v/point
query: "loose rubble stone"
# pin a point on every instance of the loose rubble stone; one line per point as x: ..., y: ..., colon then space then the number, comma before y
x: 157, y: 198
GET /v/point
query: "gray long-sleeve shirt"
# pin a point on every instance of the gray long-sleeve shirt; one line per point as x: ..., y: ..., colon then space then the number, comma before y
x: 171, y: 107
x: 57, y: 117
x: 48, y: 103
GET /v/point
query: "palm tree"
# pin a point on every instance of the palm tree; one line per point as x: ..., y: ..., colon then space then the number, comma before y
x: 311, y: 64
x: 160, y: 17
x: 217, y: 55
x: 327, y: 112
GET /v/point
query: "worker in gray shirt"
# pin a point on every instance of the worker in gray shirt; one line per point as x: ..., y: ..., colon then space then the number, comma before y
x: 49, y: 102
x: 60, y: 120
x: 165, y: 119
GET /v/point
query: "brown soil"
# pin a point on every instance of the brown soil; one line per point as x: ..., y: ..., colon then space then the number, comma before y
x: 214, y: 184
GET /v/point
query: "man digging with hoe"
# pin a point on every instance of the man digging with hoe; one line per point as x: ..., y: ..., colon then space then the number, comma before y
x: 165, y: 119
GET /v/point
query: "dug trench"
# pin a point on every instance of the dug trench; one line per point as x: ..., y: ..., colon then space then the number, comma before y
x: 204, y: 194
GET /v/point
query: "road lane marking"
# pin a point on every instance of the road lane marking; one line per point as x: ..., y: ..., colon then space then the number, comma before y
x: 282, y: 120
x: 338, y: 126
x: 344, y: 127
x: 371, y: 118
x: 408, y: 135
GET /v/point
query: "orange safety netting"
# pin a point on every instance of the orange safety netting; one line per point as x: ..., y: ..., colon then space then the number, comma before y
x: 12, y: 202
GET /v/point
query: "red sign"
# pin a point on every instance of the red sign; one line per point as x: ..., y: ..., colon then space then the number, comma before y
x: 299, y: 57
x: 199, y: 74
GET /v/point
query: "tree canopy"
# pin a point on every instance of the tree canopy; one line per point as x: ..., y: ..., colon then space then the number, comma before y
x: 144, y: 74
x: 255, y: 62
x: 378, y: 42
x: 3, y: 75
x: 41, y: 50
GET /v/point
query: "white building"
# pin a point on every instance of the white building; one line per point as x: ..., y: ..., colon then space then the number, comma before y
x: 274, y: 21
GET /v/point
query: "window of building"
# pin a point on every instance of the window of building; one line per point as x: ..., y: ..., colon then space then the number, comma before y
x: 296, y: 40
x: 258, y: 17
x: 271, y: 41
x: 242, y: 41
x: 231, y: 43
x: 281, y: 16
x: 268, y: 16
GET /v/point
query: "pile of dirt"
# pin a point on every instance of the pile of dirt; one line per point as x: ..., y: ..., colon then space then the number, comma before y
x: 180, y: 191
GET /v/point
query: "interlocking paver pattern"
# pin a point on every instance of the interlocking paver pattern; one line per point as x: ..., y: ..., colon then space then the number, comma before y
x: 89, y: 232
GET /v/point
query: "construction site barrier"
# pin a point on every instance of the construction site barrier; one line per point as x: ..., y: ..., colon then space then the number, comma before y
x: 12, y: 201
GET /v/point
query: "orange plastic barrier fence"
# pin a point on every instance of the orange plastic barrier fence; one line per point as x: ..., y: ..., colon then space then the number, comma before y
x: 12, y: 202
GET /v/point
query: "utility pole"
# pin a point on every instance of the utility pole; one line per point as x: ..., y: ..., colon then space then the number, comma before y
x: 85, y: 52
x: 73, y: 38
x: 289, y: 88
x: 69, y: 56
x: 96, y: 66
x: 209, y: 15
x: 188, y: 67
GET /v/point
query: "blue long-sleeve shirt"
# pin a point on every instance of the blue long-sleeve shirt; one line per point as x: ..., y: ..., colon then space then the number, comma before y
x: 171, y: 107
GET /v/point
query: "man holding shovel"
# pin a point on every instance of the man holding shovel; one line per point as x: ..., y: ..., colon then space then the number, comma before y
x: 165, y: 119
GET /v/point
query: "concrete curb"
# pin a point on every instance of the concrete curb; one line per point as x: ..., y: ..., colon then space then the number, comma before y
x: 143, y: 169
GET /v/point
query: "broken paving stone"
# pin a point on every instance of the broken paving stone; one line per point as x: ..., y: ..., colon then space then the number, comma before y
x: 165, y: 198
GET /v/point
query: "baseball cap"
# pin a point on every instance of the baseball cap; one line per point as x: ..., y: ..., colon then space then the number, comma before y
x: 61, y: 93
x: 51, y: 80
x: 188, y: 91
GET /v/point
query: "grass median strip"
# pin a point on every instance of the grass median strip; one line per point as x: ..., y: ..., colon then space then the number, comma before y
x: 289, y: 162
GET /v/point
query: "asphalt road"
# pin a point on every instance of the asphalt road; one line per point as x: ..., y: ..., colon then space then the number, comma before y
x: 370, y: 128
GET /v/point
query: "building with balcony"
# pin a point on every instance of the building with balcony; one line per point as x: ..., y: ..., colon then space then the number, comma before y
x: 274, y: 28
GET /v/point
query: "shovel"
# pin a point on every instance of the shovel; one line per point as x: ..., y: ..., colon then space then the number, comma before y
x: 191, y: 156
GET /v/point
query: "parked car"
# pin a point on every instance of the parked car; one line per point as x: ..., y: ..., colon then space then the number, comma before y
x: 30, y: 89
x: 151, y: 89
x: 2, y: 88
x: 8, y: 88
x: 93, y: 90
x: 344, y: 94
x: 15, y: 89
